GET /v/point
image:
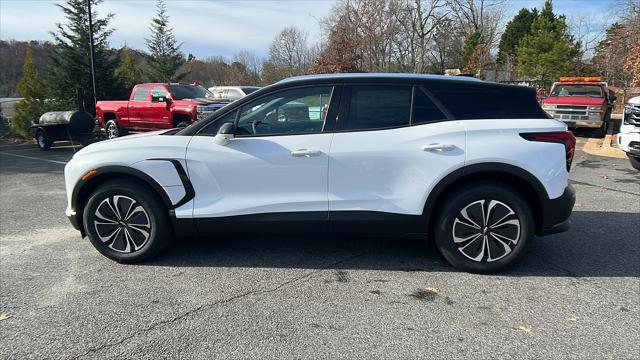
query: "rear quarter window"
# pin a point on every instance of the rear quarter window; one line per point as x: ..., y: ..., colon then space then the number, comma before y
x: 488, y: 101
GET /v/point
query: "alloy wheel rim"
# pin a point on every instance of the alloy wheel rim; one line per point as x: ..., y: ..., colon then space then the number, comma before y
x: 122, y: 224
x: 486, y: 230
x: 112, y: 131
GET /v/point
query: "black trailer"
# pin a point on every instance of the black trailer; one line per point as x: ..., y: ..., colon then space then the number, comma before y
x: 55, y: 126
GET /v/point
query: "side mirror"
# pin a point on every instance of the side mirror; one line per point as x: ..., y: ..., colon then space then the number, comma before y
x: 613, y: 98
x: 225, y: 134
x: 161, y: 98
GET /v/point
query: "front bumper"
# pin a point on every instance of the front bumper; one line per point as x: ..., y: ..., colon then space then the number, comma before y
x: 556, y: 212
x: 75, y: 221
x: 629, y: 142
x: 578, y: 117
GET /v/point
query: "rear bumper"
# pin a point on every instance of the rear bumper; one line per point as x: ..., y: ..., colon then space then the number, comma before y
x: 556, y: 212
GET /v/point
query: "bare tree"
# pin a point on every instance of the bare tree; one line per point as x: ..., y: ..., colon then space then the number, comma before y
x: 482, y: 16
x: 251, y: 62
x: 418, y: 20
x: 290, y: 52
x: 587, y: 30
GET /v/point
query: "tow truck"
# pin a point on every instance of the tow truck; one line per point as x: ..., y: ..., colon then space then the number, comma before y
x: 581, y: 102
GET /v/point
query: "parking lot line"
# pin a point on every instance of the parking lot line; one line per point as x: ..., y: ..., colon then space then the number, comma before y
x: 34, y: 158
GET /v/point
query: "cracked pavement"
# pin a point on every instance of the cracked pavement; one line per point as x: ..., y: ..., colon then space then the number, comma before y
x: 574, y: 295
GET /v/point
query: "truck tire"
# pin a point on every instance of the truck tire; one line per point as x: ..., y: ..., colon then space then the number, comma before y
x: 113, y: 130
x: 44, y: 143
x: 635, y: 161
x: 602, y: 130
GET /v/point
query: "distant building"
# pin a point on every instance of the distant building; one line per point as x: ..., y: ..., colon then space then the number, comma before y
x: 7, y: 105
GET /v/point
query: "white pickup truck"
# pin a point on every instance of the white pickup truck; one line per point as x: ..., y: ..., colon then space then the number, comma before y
x: 629, y: 135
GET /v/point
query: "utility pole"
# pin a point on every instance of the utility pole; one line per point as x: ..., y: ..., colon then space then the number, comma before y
x: 93, y: 70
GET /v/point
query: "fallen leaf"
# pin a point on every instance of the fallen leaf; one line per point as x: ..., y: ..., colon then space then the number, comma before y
x: 605, y: 177
x: 433, y: 290
x: 572, y: 318
x: 526, y: 328
x: 599, y: 190
x: 4, y: 316
x: 578, y: 205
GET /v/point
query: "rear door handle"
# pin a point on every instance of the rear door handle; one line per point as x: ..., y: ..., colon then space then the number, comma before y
x: 438, y: 147
x: 305, y: 153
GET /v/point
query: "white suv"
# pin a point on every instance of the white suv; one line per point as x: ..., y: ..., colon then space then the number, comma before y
x: 629, y: 135
x: 477, y: 167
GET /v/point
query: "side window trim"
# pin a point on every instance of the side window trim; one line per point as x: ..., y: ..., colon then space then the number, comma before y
x: 333, y: 86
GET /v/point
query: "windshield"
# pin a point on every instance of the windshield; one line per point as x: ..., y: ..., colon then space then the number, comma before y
x: 249, y: 90
x: 577, y: 90
x: 182, y: 92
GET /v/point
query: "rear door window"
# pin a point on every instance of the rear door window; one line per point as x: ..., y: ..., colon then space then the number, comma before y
x: 374, y: 107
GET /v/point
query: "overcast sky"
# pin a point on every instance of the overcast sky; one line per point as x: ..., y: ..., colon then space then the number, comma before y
x: 217, y: 27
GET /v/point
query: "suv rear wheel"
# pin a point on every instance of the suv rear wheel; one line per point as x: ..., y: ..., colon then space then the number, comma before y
x: 125, y: 222
x: 483, y: 228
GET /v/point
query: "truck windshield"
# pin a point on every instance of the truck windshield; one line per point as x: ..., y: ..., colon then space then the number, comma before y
x: 182, y: 92
x: 577, y: 90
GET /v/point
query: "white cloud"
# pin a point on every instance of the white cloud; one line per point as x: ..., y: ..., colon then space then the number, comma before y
x: 205, y: 27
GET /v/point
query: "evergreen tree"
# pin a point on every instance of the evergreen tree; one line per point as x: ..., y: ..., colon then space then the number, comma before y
x: 31, y: 88
x: 128, y: 72
x: 549, y: 51
x: 164, y: 56
x: 516, y: 29
x: 70, y: 61
x: 470, y: 48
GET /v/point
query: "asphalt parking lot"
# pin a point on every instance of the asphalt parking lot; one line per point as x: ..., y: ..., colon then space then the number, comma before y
x: 575, y: 295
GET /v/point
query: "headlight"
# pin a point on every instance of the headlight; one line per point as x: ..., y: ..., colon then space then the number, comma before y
x: 548, y: 107
x: 200, y: 108
x: 594, y: 108
x: 628, y: 109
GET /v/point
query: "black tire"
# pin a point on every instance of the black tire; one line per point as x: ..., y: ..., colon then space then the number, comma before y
x: 43, y: 141
x: 449, y: 227
x: 601, y: 132
x: 119, y: 247
x: 113, y: 130
x: 635, y: 161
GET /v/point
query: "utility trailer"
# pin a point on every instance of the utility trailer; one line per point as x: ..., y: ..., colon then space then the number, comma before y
x: 63, y: 126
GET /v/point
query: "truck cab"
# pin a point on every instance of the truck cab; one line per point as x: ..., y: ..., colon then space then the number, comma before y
x: 581, y: 102
x: 155, y: 106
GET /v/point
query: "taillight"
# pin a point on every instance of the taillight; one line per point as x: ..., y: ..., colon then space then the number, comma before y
x: 560, y: 137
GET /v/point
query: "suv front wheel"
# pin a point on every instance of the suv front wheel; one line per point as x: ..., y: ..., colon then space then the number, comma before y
x: 483, y: 228
x: 125, y: 222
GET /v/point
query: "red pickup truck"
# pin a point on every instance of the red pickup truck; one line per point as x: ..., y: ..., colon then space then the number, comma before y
x: 581, y: 102
x: 155, y: 106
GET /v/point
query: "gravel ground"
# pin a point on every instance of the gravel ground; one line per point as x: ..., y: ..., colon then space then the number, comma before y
x: 574, y: 295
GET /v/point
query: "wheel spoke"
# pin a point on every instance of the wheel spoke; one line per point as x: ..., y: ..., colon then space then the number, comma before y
x: 122, y: 224
x: 491, y: 241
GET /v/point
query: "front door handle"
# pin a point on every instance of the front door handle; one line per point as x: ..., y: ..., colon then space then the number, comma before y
x: 305, y: 153
x: 438, y: 147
